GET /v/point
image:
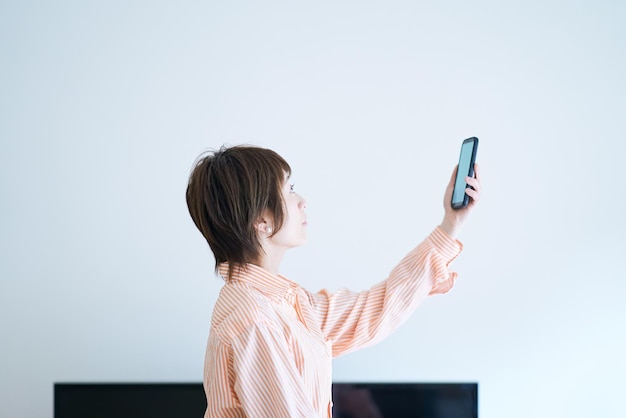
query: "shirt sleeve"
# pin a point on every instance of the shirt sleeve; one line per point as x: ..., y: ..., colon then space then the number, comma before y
x: 267, y: 383
x: 353, y: 320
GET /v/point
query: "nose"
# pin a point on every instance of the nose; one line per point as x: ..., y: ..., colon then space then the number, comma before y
x: 302, y: 203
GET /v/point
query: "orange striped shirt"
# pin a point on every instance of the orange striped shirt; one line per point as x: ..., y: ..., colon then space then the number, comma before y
x: 271, y: 341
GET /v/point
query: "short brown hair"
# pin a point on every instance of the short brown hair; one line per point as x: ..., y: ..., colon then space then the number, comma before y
x: 228, y: 192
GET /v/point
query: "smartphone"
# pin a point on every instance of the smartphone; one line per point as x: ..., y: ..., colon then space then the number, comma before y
x: 466, y: 168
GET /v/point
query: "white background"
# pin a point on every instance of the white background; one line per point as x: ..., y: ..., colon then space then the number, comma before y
x: 104, y: 106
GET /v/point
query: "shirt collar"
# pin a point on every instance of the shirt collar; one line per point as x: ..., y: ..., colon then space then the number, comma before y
x: 274, y: 285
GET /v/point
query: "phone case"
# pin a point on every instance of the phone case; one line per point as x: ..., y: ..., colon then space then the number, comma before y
x: 470, y: 173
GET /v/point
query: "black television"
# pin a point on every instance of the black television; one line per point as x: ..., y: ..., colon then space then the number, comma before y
x: 187, y: 400
x: 129, y: 400
x: 405, y: 400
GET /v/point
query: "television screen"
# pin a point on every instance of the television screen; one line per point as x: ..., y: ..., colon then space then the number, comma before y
x: 129, y: 400
x: 405, y: 400
x: 187, y: 400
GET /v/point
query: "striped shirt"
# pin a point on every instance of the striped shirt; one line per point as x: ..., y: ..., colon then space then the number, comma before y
x: 271, y: 342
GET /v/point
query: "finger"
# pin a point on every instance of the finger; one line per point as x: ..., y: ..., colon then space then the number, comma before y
x: 475, y: 183
x: 474, y: 194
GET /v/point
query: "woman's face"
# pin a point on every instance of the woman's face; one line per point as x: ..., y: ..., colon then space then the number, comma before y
x: 293, y: 233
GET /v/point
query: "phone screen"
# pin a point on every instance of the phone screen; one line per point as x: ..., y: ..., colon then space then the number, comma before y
x: 466, y: 168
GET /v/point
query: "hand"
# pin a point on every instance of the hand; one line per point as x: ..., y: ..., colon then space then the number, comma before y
x: 453, y: 219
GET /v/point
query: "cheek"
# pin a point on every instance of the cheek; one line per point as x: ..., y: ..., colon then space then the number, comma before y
x: 292, y: 210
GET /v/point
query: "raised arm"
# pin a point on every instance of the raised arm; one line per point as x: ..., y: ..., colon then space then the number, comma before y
x: 353, y: 320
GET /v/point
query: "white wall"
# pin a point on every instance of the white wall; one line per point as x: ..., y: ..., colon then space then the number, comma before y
x: 105, y: 106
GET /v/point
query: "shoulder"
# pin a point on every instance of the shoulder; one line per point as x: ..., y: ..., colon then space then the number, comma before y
x: 319, y: 299
x: 239, y: 308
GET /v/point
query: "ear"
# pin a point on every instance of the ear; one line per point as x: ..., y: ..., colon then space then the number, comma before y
x: 263, y: 226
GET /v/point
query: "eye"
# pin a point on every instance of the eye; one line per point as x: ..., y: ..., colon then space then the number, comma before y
x: 291, y: 186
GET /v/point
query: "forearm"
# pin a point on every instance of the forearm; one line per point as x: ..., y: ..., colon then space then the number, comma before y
x: 451, y: 227
x: 355, y: 320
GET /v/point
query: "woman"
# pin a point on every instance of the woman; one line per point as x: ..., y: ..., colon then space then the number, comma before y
x: 271, y: 342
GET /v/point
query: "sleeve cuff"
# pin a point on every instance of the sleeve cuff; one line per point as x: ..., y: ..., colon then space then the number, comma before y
x: 448, y: 249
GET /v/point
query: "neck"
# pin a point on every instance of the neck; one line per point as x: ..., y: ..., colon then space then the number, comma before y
x: 271, y: 260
